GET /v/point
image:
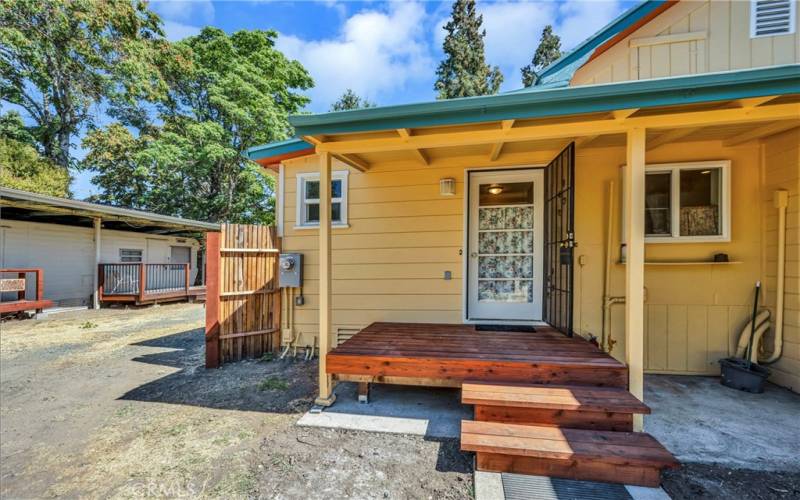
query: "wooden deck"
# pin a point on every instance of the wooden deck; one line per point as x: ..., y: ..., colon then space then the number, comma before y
x: 447, y: 355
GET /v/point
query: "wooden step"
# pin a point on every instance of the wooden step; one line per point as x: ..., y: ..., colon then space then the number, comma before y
x: 616, y: 457
x: 578, y: 407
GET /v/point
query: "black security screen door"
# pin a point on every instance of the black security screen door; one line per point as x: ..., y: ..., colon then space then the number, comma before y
x: 559, y: 239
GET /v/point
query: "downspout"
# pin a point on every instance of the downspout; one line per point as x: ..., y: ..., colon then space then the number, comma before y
x: 781, y: 201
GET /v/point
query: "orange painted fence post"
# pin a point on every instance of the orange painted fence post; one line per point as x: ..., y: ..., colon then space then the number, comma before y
x: 212, y: 299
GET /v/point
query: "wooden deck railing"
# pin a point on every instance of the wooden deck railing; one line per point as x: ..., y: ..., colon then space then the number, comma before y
x: 19, y: 284
x: 141, y: 282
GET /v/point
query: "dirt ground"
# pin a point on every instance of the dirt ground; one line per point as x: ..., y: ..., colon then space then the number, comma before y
x: 704, y: 481
x: 116, y: 403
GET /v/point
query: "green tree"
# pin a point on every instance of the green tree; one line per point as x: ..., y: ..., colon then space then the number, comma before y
x: 228, y: 94
x: 60, y: 59
x: 350, y: 100
x: 21, y: 167
x: 464, y: 71
x: 12, y: 127
x: 549, y: 50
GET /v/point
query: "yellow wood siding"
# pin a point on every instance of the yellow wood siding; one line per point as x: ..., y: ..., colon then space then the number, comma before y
x: 389, y: 264
x: 692, y: 313
x: 689, y: 38
x: 782, y: 171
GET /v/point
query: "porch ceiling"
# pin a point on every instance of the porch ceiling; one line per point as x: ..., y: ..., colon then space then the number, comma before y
x: 509, y: 141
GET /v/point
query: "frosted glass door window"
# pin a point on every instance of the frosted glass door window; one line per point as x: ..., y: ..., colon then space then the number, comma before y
x: 505, y: 242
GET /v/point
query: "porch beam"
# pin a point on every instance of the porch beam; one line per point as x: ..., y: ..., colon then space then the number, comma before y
x: 566, y: 130
x: 759, y: 132
x: 326, y: 395
x: 353, y: 161
x: 405, y: 134
x: 671, y: 136
x: 634, y: 268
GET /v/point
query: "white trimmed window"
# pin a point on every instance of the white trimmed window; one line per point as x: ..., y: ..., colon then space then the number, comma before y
x: 772, y: 17
x: 687, y: 202
x: 130, y: 255
x: 308, y: 199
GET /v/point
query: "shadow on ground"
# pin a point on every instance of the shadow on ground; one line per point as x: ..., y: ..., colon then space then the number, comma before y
x: 275, y: 386
x: 289, y: 386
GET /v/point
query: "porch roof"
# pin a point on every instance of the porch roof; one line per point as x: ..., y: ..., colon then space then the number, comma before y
x: 551, y: 102
x: 364, y: 136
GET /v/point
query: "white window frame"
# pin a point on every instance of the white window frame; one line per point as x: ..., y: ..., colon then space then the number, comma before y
x: 675, y: 195
x: 792, y: 20
x: 302, y: 178
x: 141, y: 255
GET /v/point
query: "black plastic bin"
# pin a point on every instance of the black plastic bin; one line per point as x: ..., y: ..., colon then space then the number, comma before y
x: 735, y: 374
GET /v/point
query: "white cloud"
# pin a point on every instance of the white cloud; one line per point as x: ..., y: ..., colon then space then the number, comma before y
x: 512, y: 34
x: 513, y: 29
x: 376, y: 52
x: 582, y: 18
x: 178, y: 31
x: 182, y: 16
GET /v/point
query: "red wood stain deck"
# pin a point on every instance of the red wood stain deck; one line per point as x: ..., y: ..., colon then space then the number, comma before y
x: 455, y: 353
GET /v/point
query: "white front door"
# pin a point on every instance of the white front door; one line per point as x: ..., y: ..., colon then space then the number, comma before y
x: 505, y: 263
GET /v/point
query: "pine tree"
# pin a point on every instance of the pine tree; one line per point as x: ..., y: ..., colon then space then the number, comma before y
x: 464, y: 71
x: 549, y: 50
x: 350, y: 100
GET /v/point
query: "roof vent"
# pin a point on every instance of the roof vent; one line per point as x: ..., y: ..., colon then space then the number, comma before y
x: 772, y: 17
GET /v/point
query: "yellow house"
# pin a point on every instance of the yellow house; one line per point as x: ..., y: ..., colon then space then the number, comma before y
x: 633, y: 197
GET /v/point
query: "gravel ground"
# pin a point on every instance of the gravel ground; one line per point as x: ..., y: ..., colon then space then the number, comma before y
x: 116, y: 403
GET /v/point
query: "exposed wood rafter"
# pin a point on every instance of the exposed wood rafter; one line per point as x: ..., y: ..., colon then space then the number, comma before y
x: 752, y: 102
x: 671, y: 136
x: 405, y: 134
x: 315, y: 140
x: 497, y: 148
x: 585, y: 140
x: 761, y: 132
x: 353, y: 161
x: 621, y: 115
x: 561, y: 130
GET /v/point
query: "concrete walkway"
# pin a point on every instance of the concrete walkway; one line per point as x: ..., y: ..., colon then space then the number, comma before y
x: 700, y: 420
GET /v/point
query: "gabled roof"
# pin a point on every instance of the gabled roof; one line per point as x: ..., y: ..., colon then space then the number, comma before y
x: 560, y: 72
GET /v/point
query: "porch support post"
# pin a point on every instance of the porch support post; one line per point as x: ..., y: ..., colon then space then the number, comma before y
x: 97, y: 222
x: 634, y: 270
x: 326, y: 396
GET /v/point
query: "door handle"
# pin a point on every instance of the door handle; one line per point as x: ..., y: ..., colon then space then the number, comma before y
x: 474, y: 255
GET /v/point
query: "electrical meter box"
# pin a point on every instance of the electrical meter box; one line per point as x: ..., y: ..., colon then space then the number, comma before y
x: 291, y: 270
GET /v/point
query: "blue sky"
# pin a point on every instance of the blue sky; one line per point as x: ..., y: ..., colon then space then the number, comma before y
x: 385, y: 51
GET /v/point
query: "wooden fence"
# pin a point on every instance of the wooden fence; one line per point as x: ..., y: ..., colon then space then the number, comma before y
x: 243, y: 302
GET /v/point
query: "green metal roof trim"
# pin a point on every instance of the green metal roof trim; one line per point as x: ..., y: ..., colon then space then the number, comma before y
x: 277, y: 148
x: 542, y: 103
x: 562, y: 69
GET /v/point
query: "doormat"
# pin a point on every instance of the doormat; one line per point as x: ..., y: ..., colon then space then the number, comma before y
x: 505, y: 328
x: 524, y: 487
